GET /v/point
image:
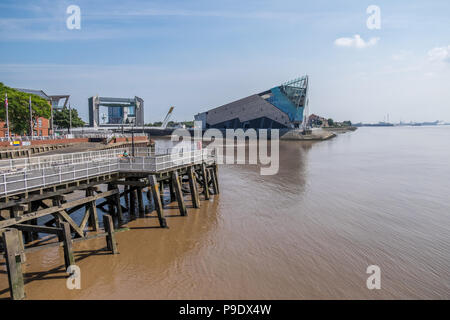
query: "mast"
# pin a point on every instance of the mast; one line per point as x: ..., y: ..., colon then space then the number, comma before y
x: 306, y: 108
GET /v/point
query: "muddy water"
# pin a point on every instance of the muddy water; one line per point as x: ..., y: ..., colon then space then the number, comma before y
x: 375, y: 196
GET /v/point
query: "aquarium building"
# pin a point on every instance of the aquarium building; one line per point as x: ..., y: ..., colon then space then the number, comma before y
x: 277, y: 108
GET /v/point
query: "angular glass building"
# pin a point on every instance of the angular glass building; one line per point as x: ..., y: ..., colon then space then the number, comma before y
x: 280, y: 107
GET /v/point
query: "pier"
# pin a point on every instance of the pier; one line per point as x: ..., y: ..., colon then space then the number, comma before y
x: 38, y: 195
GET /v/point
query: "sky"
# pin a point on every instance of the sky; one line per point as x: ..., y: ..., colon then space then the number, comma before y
x: 196, y: 55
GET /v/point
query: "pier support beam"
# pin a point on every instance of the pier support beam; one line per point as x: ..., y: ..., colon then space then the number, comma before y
x: 205, y: 181
x: 110, y: 201
x: 69, y: 258
x: 161, y: 192
x: 13, y: 263
x: 127, y: 197
x: 140, y: 202
x: 172, y: 192
x: 92, y: 207
x: 110, y: 237
x: 133, y: 196
x: 17, y: 212
x: 149, y: 194
x: 179, y: 193
x: 215, y: 169
x: 193, y: 188
x: 212, y: 175
x: 34, y: 206
x: 157, y: 201
x: 119, y: 212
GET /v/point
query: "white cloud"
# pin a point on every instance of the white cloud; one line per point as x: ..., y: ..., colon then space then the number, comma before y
x: 356, y: 42
x: 401, y: 55
x: 439, y: 54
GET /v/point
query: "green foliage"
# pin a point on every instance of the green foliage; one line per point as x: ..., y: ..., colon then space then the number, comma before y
x: 330, y: 122
x: 188, y: 124
x: 61, y: 118
x: 347, y: 123
x: 18, y: 109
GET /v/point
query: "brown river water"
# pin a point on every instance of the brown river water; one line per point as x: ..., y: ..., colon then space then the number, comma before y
x: 376, y: 196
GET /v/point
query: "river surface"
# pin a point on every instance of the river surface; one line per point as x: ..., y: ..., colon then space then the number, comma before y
x: 376, y: 196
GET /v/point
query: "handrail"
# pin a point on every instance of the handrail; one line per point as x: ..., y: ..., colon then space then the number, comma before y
x: 70, y: 136
x: 82, y: 165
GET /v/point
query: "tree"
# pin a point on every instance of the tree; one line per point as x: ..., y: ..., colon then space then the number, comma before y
x: 18, y: 109
x: 347, y: 123
x: 188, y: 124
x: 61, y: 118
x: 330, y: 122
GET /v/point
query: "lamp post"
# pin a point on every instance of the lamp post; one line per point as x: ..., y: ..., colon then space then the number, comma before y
x: 31, y: 118
x: 132, y: 140
x: 70, y: 119
x: 7, y: 117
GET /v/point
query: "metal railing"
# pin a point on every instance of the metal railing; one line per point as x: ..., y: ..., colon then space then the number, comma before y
x: 108, y: 135
x: 24, y: 164
x: 71, y: 136
x: 31, y: 138
x: 58, y: 169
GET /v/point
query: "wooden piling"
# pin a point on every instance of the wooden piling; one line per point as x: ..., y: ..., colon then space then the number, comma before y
x: 157, y: 201
x: 172, y: 192
x: 12, y: 249
x: 127, y: 197
x: 140, y: 203
x: 133, y: 197
x: 17, y: 211
x: 212, y: 174
x: 193, y: 188
x: 92, y: 207
x: 110, y: 237
x: 179, y: 193
x: 111, y: 202
x: 56, y: 202
x: 69, y: 258
x: 119, y: 212
x: 149, y: 194
x: 34, y: 206
x: 205, y: 182
x: 27, y: 235
x: 216, y: 176
x: 161, y: 191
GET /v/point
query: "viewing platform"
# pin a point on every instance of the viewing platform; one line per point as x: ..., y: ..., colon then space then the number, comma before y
x: 38, y: 195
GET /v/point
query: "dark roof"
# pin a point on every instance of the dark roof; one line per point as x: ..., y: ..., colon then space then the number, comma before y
x: 39, y: 93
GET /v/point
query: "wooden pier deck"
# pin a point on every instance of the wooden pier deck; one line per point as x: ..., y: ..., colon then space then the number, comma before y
x: 37, y: 197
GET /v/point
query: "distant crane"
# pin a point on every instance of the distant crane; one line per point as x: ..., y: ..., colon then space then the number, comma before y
x: 166, y: 119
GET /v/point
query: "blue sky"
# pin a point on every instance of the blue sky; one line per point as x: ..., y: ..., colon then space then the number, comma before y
x: 201, y: 54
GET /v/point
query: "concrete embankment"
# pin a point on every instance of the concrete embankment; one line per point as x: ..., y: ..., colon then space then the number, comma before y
x: 340, y: 129
x: 314, y: 135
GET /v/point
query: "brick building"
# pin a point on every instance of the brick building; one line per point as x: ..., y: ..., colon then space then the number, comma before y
x: 42, y: 126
